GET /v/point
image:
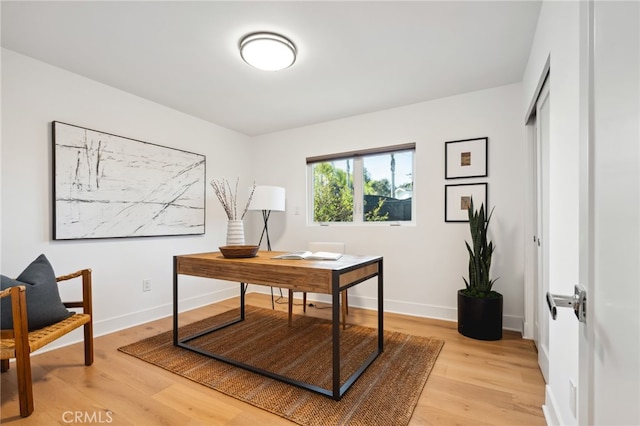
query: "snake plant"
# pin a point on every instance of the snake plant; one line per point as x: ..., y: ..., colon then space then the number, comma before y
x: 479, y: 284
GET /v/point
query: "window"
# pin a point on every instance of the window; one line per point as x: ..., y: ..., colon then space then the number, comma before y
x: 373, y: 185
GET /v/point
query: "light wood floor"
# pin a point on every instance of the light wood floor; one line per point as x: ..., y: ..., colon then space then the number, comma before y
x: 473, y: 382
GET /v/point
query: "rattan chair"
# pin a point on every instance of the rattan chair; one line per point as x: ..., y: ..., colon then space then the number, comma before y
x: 19, y: 342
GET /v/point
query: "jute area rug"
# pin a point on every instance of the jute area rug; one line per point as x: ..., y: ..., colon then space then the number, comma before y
x: 385, y: 394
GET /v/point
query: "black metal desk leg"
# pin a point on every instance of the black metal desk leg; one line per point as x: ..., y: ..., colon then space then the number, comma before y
x: 175, y: 301
x: 335, y: 326
x: 380, y: 309
x: 243, y: 290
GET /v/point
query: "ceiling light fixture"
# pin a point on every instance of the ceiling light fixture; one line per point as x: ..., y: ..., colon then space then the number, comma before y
x: 267, y: 51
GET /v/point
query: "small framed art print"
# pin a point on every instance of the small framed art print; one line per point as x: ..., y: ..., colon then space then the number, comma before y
x: 466, y: 158
x: 457, y: 199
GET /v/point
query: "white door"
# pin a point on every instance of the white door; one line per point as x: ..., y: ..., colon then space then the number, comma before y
x: 541, y: 261
x: 609, y: 342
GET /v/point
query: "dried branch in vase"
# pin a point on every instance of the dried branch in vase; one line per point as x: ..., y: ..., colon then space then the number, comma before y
x: 229, y: 198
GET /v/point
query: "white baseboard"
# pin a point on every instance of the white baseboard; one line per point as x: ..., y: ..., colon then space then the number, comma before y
x: 527, y: 330
x: 509, y: 322
x: 550, y: 408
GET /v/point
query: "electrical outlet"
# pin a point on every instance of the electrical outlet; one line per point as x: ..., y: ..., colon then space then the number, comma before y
x: 146, y: 285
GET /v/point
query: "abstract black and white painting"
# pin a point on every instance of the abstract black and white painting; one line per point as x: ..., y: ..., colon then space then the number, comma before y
x: 108, y: 186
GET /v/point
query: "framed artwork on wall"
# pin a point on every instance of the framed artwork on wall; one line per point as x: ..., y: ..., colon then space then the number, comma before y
x: 457, y: 199
x: 108, y: 186
x: 466, y: 158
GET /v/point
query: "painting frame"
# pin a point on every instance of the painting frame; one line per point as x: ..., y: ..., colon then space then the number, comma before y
x: 110, y: 186
x: 466, y: 158
x: 455, y: 200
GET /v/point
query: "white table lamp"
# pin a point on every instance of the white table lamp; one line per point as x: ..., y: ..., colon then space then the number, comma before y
x: 267, y: 199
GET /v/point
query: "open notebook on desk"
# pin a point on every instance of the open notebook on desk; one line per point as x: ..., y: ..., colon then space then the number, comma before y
x: 318, y: 255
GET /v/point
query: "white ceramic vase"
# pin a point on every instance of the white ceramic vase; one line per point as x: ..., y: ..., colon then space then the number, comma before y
x: 235, y: 233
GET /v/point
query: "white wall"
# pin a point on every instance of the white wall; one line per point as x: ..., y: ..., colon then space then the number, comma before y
x: 33, y: 95
x: 424, y: 264
x: 557, y: 38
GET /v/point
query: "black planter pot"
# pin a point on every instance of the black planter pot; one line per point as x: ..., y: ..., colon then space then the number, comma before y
x: 480, y: 318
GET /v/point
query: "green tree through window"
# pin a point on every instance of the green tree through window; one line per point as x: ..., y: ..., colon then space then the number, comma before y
x: 332, y: 193
x: 383, y: 181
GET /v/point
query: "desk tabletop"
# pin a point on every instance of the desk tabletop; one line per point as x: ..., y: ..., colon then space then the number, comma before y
x: 299, y: 275
x: 264, y: 257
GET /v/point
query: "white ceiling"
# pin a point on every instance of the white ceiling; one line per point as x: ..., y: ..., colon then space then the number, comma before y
x: 354, y: 57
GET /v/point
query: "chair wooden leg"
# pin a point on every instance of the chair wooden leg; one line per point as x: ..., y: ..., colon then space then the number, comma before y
x: 345, y: 309
x: 290, y: 306
x: 25, y: 390
x: 5, y: 365
x: 344, y: 313
x: 304, y: 302
x: 346, y: 301
x: 88, y: 343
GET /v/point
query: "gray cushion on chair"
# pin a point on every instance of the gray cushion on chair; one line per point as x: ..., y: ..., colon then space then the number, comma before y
x: 44, y: 306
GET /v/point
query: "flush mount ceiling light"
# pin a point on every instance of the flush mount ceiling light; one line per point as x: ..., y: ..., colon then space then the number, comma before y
x: 267, y: 51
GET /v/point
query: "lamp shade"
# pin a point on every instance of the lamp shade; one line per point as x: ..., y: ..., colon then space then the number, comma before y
x: 267, y: 198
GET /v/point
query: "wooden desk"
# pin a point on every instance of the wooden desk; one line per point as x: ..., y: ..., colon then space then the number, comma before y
x: 312, y: 276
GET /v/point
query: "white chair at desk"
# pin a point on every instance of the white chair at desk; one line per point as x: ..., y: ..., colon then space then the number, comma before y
x: 333, y: 247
